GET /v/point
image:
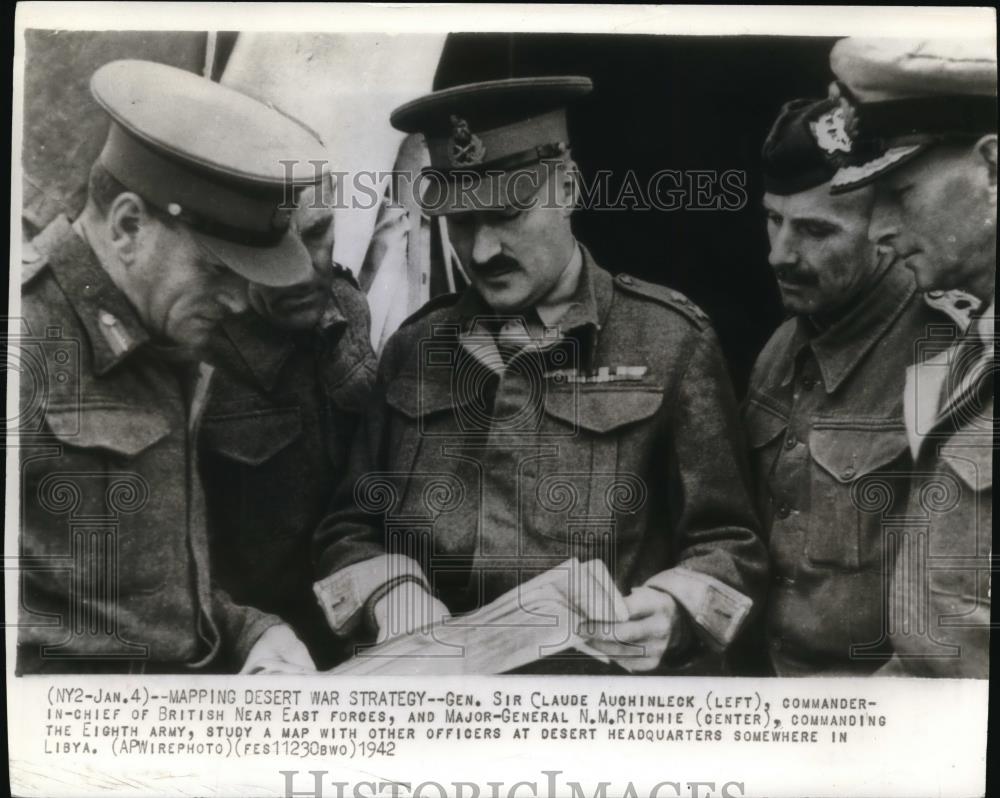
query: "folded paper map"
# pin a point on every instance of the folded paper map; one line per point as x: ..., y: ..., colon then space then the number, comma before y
x: 538, y: 618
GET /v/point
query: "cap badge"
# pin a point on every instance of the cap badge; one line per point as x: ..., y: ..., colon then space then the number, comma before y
x: 466, y: 149
x: 830, y: 132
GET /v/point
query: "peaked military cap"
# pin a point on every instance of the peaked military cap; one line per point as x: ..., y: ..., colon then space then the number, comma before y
x: 223, y: 163
x: 799, y: 152
x: 901, y: 96
x: 489, y: 142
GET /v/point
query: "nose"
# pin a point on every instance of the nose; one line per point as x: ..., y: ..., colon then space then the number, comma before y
x: 232, y: 294
x: 783, y: 250
x: 485, y: 243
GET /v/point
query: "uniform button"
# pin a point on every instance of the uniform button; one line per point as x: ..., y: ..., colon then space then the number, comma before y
x: 808, y: 383
x: 107, y: 319
x: 776, y: 644
x: 790, y: 442
x: 783, y: 510
x: 848, y: 473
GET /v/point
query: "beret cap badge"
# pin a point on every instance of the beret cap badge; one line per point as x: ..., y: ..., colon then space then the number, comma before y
x: 830, y: 132
x: 465, y: 148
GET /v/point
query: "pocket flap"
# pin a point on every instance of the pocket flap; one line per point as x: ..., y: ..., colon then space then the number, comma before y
x: 603, y: 409
x: 972, y: 460
x: 415, y: 397
x: 762, y: 425
x: 847, y: 454
x: 123, y: 430
x: 253, y: 437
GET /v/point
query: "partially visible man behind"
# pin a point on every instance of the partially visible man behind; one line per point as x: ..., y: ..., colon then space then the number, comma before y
x: 924, y: 132
x: 824, y: 412
x: 186, y: 204
x: 292, y: 376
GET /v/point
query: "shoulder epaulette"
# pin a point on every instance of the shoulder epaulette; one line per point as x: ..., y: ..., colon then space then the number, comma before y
x: 435, y: 303
x: 665, y: 296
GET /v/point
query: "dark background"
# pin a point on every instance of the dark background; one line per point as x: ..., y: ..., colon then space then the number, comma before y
x: 659, y: 102
x: 671, y: 102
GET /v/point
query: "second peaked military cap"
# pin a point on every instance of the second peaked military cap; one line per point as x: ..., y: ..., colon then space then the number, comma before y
x: 224, y: 164
x: 901, y: 96
x: 490, y: 142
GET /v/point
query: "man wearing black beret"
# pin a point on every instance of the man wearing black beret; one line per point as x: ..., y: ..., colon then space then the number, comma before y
x: 823, y: 413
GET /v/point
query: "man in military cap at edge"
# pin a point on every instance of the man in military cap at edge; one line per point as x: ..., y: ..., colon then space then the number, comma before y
x: 922, y: 119
x: 824, y: 411
x: 546, y: 394
x: 187, y: 202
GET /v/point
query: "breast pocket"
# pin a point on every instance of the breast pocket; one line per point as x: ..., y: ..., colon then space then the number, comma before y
x: 859, y: 481
x: 109, y: 471
x: 597, y: 471
x: 258, y: 480
x: 251, y: 438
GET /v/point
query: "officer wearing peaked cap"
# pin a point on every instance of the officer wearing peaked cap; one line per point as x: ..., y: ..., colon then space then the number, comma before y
x: 547, y: 379
x: 188, y: 200
x: 824, y: 414
x: 925, y: 132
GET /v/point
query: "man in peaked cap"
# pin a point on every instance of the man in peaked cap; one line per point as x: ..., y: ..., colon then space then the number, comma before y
x: 189, y: 200
x: 824, y: 413
x: 924, y: 133
x: 550, y: 411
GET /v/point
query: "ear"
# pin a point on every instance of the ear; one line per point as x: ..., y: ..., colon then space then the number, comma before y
x: 986, y: 148
x: 127, y: 217
x: 569, y: 177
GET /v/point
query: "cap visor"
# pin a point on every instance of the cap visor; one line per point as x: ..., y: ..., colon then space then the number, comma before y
x: 469, y: 190
x: 849, y: 178
x: 286, y: 263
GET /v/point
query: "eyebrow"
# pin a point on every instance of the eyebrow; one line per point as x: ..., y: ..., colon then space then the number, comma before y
x: 802, y: 219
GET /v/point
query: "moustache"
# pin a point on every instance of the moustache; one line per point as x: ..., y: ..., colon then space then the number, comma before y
x: 498, y: 263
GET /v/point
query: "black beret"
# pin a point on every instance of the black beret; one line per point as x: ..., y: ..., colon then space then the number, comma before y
x: 800, y: 151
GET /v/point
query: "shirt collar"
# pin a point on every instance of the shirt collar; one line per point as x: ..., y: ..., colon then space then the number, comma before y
x: 841, y: 347
x: 564, y: 296
x: 262, y: 347
x: 113, y: 328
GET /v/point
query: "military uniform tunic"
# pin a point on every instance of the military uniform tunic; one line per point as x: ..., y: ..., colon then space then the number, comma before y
x: 274, y: 444
x: 115, y: 572
x: 940, y: 588
x: 617, y: 438
x: 825, y: 420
